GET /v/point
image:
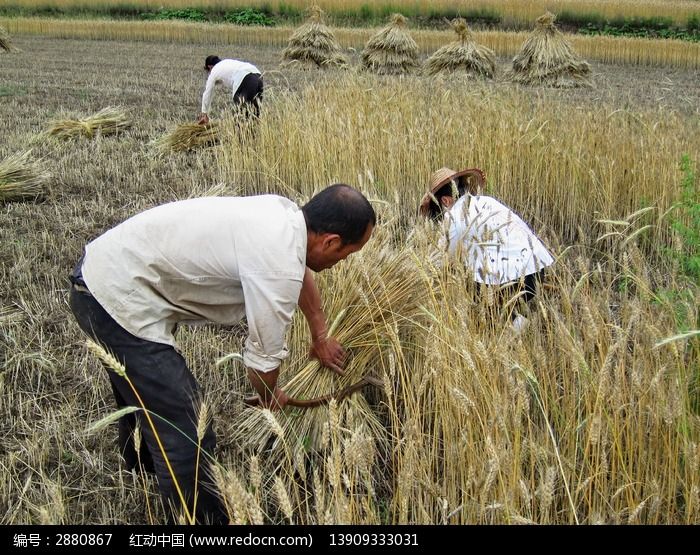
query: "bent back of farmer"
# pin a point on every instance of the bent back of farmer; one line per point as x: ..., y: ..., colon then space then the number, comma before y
x: 219, y: 260
x: 243, y: 79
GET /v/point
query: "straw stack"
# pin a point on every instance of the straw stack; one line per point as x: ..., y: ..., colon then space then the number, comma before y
x: 463, y: 55
x: 546, y: 58
x: 314, y: 45
x: 391, y: 50
x: 6, y: 42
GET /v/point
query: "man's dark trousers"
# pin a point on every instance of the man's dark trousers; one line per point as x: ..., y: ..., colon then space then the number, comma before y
x: 170, y: 393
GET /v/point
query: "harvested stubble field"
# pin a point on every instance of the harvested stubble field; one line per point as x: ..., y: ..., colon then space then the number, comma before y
x: 582, y: 419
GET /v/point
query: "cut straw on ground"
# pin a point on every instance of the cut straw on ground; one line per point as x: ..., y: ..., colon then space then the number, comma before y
x: 188, y: 136
x: 107, y: 121
x: 21, y: 178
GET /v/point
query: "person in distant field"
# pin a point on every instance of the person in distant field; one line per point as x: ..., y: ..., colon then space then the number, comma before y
x: 494, y: 243
x: 242, y: 78
x: 212, y: 259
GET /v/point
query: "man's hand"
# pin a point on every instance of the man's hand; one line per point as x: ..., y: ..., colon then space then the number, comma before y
x: 329, y: 353
x: 278, y: 400
x: 265, y: 384
x: 203, y: 119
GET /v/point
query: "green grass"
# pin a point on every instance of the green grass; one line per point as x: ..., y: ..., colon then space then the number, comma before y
x: 249, y: 16
x: 685, y: 221
x: 9, y: 90
x: 591, y: 23
x: 694, y: 23
x: 188, y: 14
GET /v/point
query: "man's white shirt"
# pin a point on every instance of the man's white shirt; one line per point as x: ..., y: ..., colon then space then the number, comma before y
x: 229, y: 72
x: 213, y: 259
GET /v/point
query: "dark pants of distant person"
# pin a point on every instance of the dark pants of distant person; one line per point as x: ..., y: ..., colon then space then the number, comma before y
x: 249, y: 94
x: 527, y: 290
x: 170, y: 393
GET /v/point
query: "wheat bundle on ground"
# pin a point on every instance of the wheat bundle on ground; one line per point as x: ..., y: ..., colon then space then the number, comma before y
x: 6, y: 42
x: 546, y: 58
x: 314, y: 44
x: 21, y: 178
x: 107, y: 121
x: 188, y: 136
x: 464, y: 54
x: 391, y: 50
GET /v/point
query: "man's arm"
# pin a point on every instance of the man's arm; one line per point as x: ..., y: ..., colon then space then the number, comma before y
x: 270, y: 302
x: 207, y: 97
x: 326, y: 349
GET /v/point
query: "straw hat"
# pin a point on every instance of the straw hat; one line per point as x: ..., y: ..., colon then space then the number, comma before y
x: 473, y: 180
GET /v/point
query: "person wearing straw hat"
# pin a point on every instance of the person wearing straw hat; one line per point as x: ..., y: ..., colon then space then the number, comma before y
x: 496, y: 245
x: 218, y: 260
x: 242, y: 78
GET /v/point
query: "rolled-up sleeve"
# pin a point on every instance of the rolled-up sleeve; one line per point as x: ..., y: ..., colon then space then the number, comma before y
x: 270, y: 301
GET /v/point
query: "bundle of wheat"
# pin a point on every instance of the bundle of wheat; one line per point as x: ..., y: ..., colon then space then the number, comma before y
x: 314, y: 45
x: 6, y: 42
x: 188, y: 136
x: 107, y: 121
x: 372, y: 311
x: 21, y: 178
x: 464, y: 54
x: 391, y: 50
x: 546, y: 58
